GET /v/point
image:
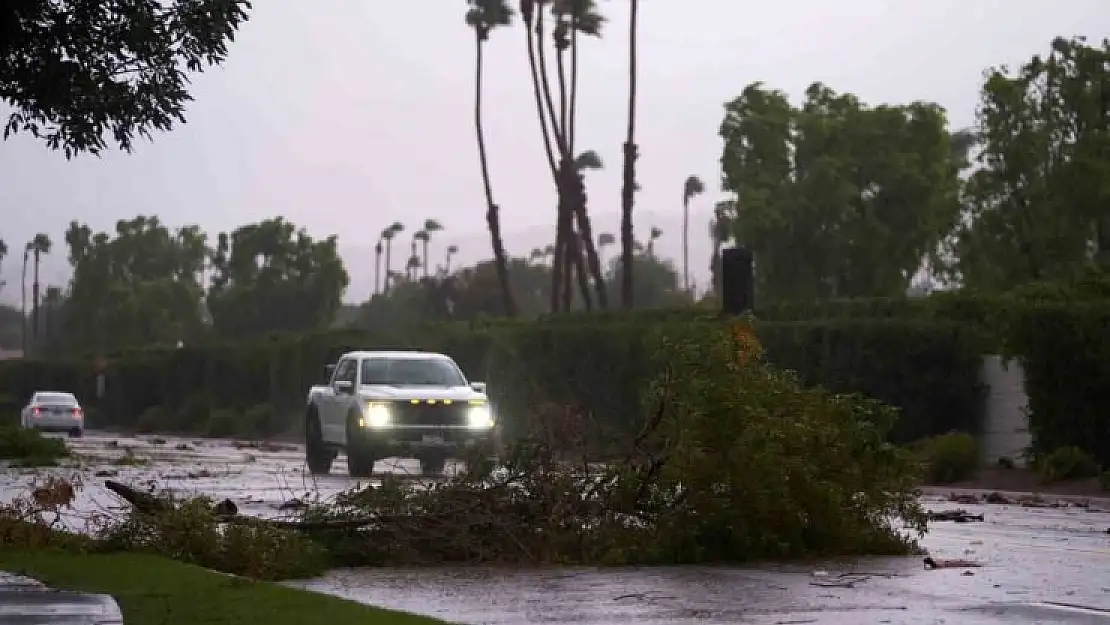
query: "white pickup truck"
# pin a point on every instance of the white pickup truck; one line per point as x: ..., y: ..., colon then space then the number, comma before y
x: 380, y: 404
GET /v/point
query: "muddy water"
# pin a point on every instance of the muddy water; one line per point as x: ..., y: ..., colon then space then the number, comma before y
x: 258, y: 480
x: 1041, y: 565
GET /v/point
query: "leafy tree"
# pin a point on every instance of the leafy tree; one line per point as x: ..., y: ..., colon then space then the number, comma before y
x: 272, y: 277
x: 472, y: 290
x: 11, y: 327
x: 692, y: 188
x: 466, y: 294
x: 840, y: 199
x: 483, y: 16
x: 628, y: 179
x: 656, y: 281
x: 140, y: 287
x: 74, y: 71
x: 1036, y: 205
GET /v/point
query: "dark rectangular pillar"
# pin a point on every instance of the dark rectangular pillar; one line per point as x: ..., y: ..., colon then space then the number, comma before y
x: 737, y: 281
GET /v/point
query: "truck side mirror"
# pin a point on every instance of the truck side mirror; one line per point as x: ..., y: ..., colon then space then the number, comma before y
x: 329, y: 371
x: 478, y: 387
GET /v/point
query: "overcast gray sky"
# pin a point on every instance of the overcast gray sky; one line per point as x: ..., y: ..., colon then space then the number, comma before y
x: 345, y: 115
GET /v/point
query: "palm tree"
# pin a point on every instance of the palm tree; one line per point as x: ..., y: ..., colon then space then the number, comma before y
x: 412, y: 266
x: 39, y: 245
x: 3, y: 254
x: 451, y: 251
x: 655, y: 234
x: 631, y: 151
x: 23, y: 305
x: 692, y: 188
x: 388, y: 235
x: 572, y: 17
x: 422, y: 237
x: 604, y: 240
x: 430, y: 226
x: 378, y: 263
x: 483, y: 17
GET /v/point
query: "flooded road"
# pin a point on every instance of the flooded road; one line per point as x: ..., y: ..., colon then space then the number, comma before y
x: 1040, y: 565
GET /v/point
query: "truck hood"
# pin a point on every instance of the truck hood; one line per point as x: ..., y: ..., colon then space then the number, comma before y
x: 405, y: 393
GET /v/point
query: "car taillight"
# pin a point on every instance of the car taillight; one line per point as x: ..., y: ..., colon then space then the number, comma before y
x: 36, y: 411
x: 77, y: 413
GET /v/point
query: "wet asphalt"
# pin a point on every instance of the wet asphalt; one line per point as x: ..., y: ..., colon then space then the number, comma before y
x: 1040, y: 565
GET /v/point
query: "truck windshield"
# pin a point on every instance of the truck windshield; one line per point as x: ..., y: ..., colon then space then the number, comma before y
x: 411, y: 372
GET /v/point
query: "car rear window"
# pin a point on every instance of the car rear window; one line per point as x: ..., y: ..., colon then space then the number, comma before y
x: 55, y: 398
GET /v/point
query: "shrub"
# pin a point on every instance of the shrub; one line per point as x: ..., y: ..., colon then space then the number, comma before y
x: 1104, y: 480
x: 223, y: 423
x: 1068, y: 463
x: 194, y: 413
x: 260, y: 420
x: 154, y: 419
x: 770, y: 468
x: 1066, y: 361
x: 189, y: 532
x: 949, y: 458
x: 30, y: 448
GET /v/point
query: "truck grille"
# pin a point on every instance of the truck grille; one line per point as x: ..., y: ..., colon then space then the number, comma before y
x: 425, y: 414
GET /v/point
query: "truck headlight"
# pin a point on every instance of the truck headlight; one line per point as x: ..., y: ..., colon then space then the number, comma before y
x: 480, y: 417
x: 378, y: 415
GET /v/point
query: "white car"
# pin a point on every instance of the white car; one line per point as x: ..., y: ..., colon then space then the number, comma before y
x: 381, y: 404
x: 54, y: 411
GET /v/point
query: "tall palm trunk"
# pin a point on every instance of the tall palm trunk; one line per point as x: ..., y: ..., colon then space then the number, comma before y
x: 558, y: 262
x: 388, y: 265
x: 377, y: 268
x: 686, y: 243
x: 35, y: 303
x: 426, y: 241
x: 23, y: 305
x: 628, y: 187
x: 571, y: 184
x: 493, y: 219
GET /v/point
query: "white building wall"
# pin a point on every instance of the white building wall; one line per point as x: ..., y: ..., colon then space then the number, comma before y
x: 1006, y: 426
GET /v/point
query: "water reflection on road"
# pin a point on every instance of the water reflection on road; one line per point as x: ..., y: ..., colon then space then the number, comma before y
x: 1042, y: 565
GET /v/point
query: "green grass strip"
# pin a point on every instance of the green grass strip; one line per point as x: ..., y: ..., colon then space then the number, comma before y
x: 156, y: 591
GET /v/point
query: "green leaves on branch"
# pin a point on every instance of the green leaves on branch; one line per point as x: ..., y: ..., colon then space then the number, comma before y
x: 836, y: 198
x: 80, y: 75
x: 1036, y: 203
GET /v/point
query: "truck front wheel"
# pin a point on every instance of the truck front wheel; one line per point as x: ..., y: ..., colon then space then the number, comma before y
x: 361, y: 454
x: 316, y: 454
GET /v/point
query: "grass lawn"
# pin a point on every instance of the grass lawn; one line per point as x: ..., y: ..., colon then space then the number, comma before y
x: 156, y: 591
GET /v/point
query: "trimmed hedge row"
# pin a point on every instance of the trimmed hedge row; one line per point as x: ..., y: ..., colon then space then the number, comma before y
x: 596, y: 366
x: 1065, y: 350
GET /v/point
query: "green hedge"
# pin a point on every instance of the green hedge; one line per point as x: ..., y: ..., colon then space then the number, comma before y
x: 595, y: 367
x: 1065, y: 352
